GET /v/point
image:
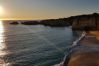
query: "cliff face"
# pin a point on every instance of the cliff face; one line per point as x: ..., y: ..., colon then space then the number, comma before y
x: 89, y: 21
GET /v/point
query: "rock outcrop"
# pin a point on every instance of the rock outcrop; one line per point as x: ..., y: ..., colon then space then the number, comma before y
x: 14, y: 23
x: 30, y: 23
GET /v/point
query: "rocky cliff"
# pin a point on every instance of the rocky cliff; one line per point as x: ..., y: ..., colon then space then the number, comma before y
x: 83, y: 22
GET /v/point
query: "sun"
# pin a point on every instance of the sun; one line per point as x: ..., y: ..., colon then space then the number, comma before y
x: 1, y: 10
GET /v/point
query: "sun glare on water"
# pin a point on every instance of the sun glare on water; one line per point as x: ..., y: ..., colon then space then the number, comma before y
x: 2, y: 44
x: 1, y: 35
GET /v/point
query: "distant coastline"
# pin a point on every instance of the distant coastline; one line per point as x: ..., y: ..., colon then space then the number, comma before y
x: 79, y: 22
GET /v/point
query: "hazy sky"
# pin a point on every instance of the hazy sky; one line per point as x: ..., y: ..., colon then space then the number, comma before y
x: 46, y: 9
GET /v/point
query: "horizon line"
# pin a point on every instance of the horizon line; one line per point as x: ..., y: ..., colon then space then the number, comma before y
x: 28, y: 18
x: 42, y: 18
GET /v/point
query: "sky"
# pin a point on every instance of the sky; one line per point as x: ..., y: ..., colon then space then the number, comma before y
x: 46, y: 9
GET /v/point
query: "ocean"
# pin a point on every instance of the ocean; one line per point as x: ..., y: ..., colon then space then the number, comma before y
x: 34, y: 45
